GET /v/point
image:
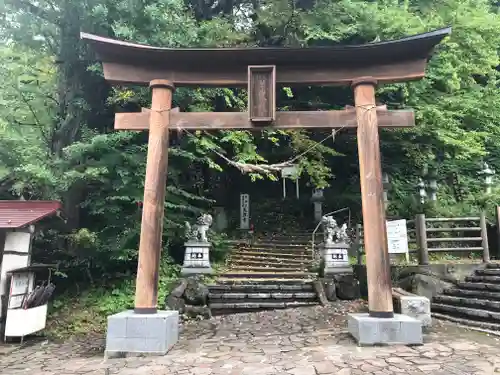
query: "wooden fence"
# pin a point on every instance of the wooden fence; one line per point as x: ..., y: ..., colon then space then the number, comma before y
x: 441, y: 235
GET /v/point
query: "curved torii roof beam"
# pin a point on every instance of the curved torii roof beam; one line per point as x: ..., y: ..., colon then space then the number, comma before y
x: 387, y: 62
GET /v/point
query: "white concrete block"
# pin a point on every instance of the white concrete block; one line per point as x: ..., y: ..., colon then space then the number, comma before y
x: 400, y: 329
x: 131, y: 333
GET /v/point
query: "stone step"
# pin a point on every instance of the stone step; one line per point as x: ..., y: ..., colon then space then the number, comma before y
x: 272, y: 262
x: 488, y: 272
x: 479, y: 286
x: 232, y: 297
x: 276, y: 253
x: 258, y: 305
x: 262, y: 274
x: 492, y: 265
x: 467, y: 313
x: 260, y: 287
x: 264, y: 280
x: 263, y: 268
x: 467, y: 322
x: 251, y: 255
x: 273, y: 245
x: 483, y: 279
x: 277, y: 258
x: 479, y: 294
x: 474, y: 303
x: 284, y: 240
x: 237, y: 262
x: 292, y: 234
x: 273, y: 252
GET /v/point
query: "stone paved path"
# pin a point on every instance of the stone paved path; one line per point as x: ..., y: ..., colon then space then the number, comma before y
x: 307, y: 341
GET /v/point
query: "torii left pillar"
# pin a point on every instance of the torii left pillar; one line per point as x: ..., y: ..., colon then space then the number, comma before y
x: 380, y: 325
x: 145, y: 330
x: 146, y: 292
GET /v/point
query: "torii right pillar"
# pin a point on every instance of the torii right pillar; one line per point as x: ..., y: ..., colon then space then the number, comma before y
x: 380, y: 325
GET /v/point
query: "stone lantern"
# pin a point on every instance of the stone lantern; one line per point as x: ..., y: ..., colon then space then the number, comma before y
x: 421, y: 190
x: 317, y: 198
x: 433, y: 185
x: 488, y: 174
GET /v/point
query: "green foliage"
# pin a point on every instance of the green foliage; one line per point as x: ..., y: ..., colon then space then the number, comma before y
x: 220, y: 247
x: 86, y: 313
x: 56, y: 118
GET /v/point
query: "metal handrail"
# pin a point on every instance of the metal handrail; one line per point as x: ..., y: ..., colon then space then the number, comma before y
x: 317, y: 226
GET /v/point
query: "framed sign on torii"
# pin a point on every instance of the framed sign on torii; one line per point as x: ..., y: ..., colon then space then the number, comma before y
x: 261, y: 70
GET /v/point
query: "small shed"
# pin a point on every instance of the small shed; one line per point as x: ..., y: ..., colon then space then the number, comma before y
x: 17, y: 227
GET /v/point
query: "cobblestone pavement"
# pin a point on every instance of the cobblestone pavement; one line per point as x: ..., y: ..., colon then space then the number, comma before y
x: 307, y: 341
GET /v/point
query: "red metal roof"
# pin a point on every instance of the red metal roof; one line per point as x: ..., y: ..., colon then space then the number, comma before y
x: 18, y: 214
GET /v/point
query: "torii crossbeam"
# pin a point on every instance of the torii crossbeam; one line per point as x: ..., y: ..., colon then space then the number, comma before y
x: 261, y: 70
x: 240, y: 120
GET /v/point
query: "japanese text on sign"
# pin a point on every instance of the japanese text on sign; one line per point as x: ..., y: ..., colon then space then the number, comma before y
x: 397, y: 237
x: 244, y: 211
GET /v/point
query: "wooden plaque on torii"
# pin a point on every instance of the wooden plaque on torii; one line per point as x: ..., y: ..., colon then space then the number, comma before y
x: 262, y: 70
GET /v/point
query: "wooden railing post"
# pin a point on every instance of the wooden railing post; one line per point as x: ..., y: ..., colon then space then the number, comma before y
x: 497, y: 250
x: 484, y: 237
x: 421, y: 234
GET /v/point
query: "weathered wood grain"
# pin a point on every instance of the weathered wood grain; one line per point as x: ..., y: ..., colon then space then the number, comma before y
x: 262, y: 93
x: 370, y: 170
x: 284, y: 120
x: 146, y: 293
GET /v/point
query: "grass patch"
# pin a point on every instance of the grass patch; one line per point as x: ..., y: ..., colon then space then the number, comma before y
x: 73, y: 315
x: 86, y: 313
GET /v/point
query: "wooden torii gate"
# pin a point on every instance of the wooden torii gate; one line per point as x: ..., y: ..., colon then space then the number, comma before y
x: 261, y: 70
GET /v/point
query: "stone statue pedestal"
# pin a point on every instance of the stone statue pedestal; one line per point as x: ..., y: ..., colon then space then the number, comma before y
x: 336, y: 258
x: 196, y: 258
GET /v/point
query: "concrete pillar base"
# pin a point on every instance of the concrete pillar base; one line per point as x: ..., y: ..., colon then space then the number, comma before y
x: 130, y: 333
x: 400, y: 329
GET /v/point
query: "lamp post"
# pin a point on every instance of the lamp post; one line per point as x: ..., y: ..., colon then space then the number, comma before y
x: 421, y: 190
x: 433, y: 186
x: 488, y: 174
x: 317, y: 199
x: 427, y: 185
x: 386, y: 185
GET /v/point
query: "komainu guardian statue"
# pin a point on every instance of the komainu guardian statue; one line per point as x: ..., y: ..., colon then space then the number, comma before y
x: 332, y: 232
x: 342, y: 235
x: 329, y: 229
x: 198, y: 232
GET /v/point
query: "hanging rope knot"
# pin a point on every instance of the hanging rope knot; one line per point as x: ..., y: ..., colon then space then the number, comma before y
x: 367, y: 107
x: 160, y: 110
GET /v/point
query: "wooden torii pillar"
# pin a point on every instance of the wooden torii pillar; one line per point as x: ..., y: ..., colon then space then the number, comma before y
x: 360, y: 66
x: 146, y: 290
x: 378, y: 270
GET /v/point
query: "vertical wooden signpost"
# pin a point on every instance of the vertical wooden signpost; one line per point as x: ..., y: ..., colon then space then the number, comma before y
x: 363, y: 67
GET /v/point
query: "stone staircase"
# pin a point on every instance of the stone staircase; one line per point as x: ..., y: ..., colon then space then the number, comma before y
x: 271, y: 272
x: 474, y: 302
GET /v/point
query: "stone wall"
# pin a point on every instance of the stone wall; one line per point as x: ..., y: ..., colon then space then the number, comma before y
x: 447, y: 273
